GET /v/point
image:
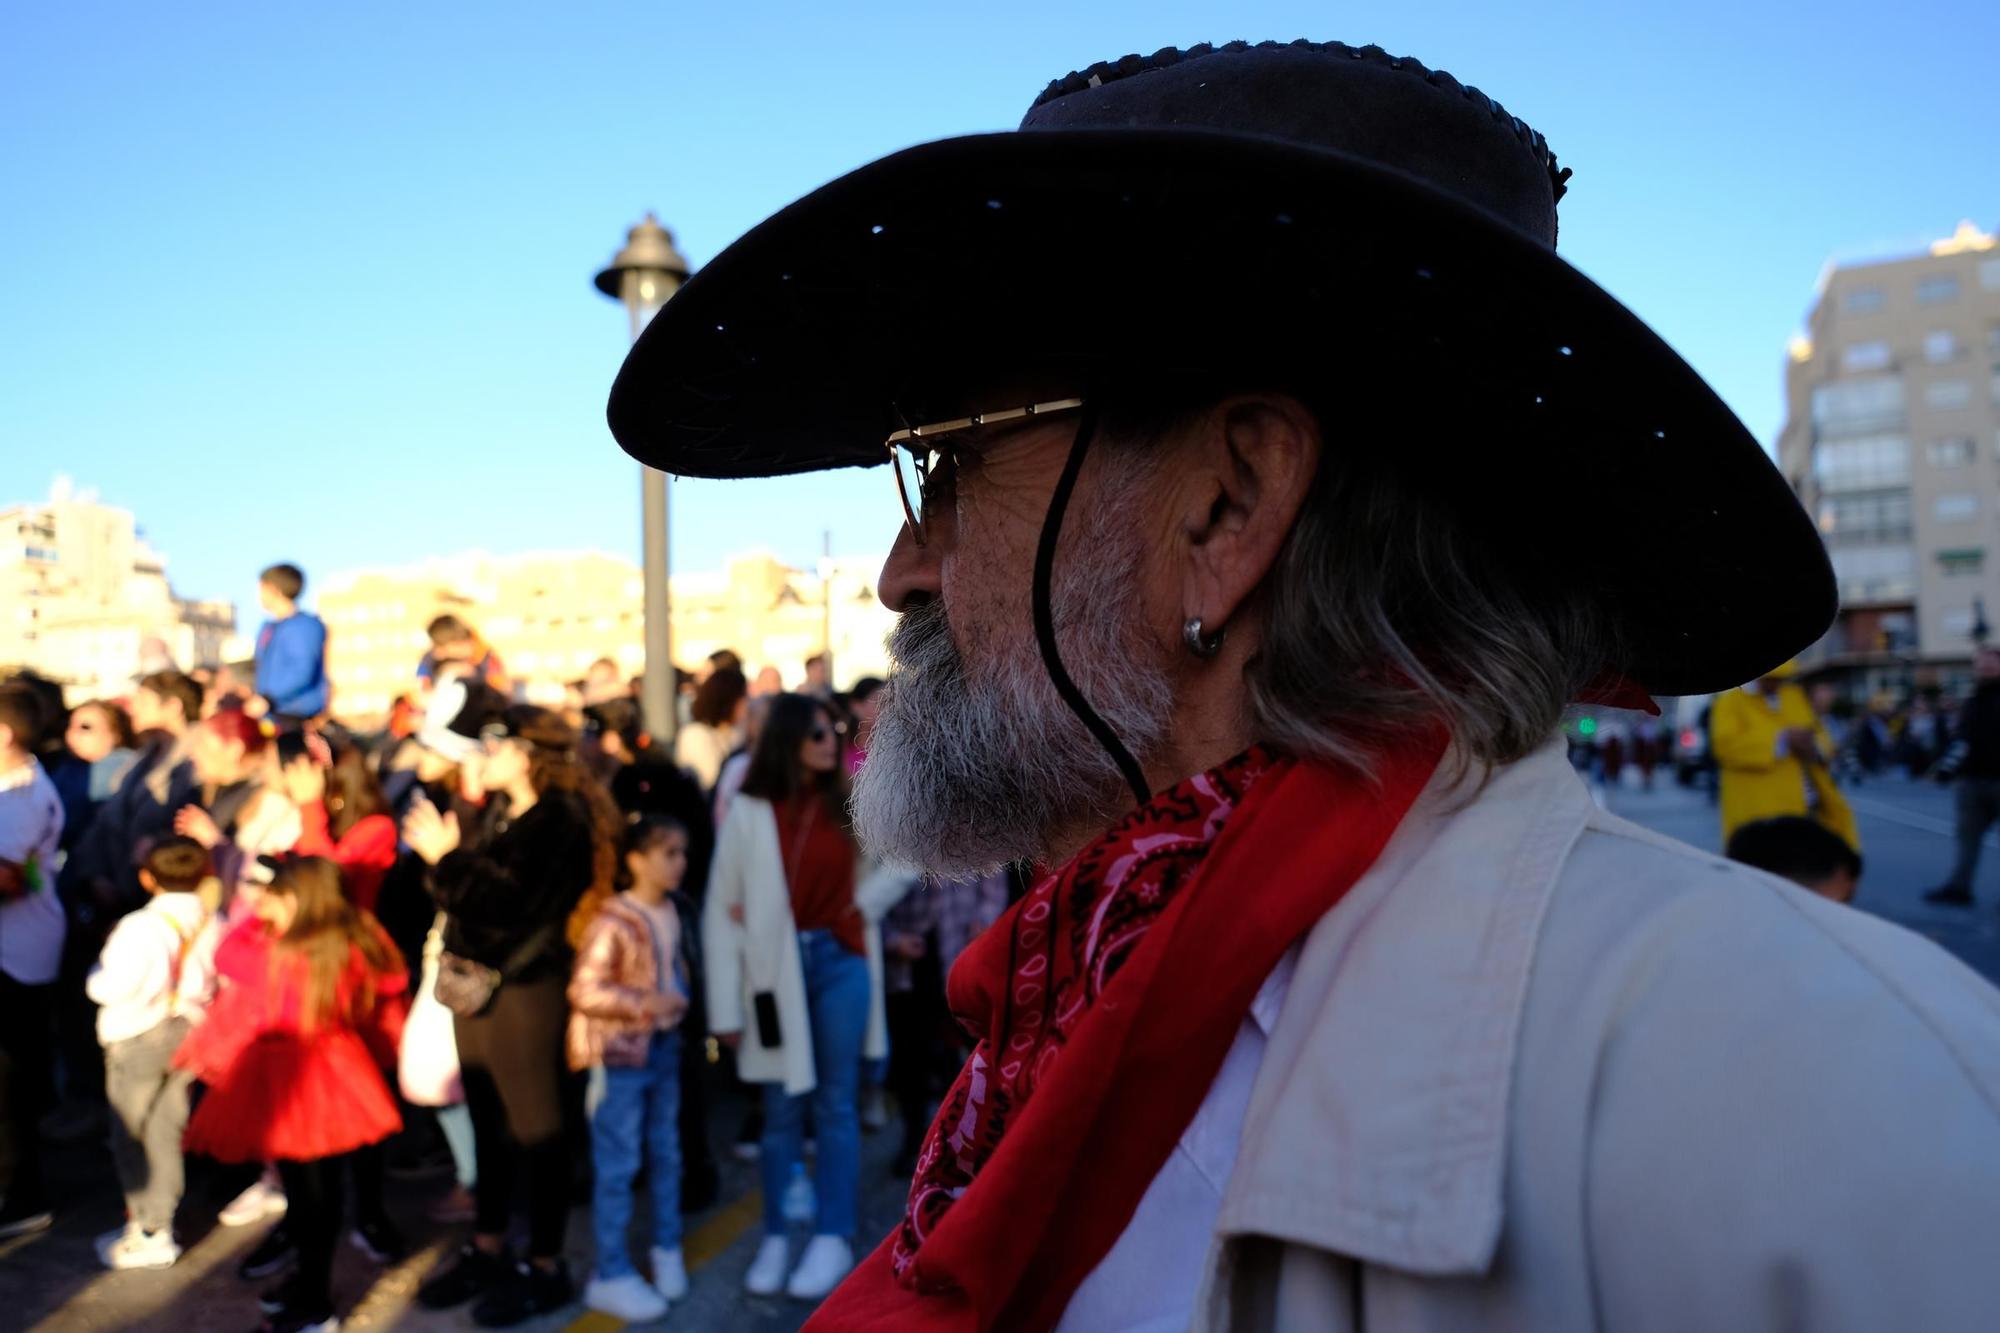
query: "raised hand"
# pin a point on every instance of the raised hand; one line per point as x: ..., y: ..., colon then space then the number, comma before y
x: 430, y: 835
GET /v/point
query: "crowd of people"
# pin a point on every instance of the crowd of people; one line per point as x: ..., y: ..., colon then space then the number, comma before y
x: 513, y: 937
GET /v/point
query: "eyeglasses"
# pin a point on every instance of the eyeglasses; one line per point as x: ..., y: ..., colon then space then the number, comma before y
x: 911, y: 450
x: 819, y: 734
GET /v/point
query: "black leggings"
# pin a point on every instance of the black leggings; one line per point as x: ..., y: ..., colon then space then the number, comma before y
x: 511, y: 1061
x: 547, y: 1165
x: 370, y: 1165
x: 312, y: 1218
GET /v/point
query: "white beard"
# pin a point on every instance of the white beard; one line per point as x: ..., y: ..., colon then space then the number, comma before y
x: 967, y: 773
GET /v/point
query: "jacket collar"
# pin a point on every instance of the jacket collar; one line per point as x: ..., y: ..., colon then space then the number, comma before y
x: 1378, y: 1126
x: 626, y: 914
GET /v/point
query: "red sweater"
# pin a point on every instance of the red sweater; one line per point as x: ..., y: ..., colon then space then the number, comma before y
x: 819, y: 869
x: 365, y: 855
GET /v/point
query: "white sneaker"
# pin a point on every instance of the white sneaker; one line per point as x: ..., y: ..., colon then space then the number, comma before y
x: 766, y: 1276
x: 133, y: 1248
x: 104, y: 1242
x: 825, y: 1262
x: 264, y: 1199
x: 670, y: 1275
x: 627, y: 1298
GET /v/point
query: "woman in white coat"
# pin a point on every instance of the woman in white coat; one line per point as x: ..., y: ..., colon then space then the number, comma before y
x: 794, y: 978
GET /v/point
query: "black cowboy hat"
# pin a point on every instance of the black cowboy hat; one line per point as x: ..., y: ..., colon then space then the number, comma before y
x: 1310, y: 213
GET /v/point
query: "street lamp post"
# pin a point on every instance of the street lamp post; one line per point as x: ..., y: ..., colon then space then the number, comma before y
x: 641, y: 277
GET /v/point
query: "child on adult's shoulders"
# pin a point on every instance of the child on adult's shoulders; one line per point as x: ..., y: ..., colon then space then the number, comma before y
x: 291, y: 684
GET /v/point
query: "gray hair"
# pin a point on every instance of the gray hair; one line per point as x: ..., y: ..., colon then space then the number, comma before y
x: 1390, y: 611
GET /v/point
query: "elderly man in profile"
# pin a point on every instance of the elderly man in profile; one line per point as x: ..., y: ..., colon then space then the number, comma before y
x: 1233, y: 401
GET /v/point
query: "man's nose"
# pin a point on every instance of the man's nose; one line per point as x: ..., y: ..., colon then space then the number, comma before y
x: 910, y: 569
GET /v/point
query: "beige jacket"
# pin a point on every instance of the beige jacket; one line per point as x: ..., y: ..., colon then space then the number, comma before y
x: 1546, y: 1070
x: 761, y: 952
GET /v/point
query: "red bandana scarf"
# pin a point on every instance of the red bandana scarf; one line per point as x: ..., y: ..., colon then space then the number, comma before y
x: 1103, y: 1004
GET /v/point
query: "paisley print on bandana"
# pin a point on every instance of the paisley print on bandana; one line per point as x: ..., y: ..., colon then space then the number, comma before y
x: 1066, y: 942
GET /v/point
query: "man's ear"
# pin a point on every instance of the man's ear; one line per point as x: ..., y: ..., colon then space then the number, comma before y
x: 1246, y: 477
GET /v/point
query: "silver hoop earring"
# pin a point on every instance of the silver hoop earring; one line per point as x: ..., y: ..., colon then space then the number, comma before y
x: 1201, y: 645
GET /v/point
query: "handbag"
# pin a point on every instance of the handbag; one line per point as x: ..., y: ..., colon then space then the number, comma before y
x: 427, y: 1062
x: 467, y: 987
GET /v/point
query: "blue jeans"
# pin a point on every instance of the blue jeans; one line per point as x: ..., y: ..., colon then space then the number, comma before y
x: 837, y: 998
x: 631, y: 1109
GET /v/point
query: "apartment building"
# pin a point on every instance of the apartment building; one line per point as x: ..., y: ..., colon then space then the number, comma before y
x: 551, y: 614
x: 1892, y: 441
x: 81, y: 592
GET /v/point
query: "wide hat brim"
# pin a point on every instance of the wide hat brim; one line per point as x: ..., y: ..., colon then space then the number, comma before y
x: 963, y: 274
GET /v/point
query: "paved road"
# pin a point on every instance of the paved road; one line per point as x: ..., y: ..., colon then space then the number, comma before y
x: 1907, y: 846
x: 53, y: 1282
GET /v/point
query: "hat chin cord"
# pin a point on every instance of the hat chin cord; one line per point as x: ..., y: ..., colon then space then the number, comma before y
x: 1045, y: 621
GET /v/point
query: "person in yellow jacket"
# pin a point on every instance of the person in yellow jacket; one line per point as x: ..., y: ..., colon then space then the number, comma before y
x: 1773, y: 754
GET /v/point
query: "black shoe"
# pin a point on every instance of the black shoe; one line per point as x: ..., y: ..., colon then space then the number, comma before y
x: 24, y: 1216
x: 314, y: 1316
x: 528, y: 1292
x: 1949, y: 895
x: 274, y: 1254
x: 379, y: 1240
x: 473, y: 1274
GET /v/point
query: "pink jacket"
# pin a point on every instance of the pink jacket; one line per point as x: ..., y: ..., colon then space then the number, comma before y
x: 610, y: 990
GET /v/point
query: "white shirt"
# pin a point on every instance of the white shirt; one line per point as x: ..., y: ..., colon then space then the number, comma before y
x: 662, y: 921
x: 31, y: 926
x: 153, y: 967
x: 701, y: 749
x: 1148, y: 1281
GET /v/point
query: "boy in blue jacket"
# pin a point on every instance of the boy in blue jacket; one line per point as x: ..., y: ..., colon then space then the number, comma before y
x: 291, y: 652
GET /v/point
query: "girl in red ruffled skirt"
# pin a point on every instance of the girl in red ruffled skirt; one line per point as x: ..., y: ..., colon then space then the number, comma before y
x: 308, y: 1016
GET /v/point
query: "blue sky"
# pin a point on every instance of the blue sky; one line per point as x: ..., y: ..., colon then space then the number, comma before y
x: 313, y: 283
